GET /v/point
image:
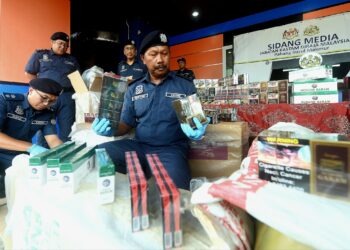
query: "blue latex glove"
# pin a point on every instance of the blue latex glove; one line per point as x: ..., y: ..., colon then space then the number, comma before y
x: 195, y: 134
x: 102, y: 127
x: 36, y: 149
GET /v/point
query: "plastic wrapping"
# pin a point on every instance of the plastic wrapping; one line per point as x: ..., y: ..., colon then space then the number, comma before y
x: 309, y: 219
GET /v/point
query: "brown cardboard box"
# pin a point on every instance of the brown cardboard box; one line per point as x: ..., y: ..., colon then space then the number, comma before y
x: 221, y: 151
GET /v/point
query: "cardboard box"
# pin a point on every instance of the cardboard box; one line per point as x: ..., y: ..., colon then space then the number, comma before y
x: 319, y: 72
x: 328, y: 84
x: 221, y: 151
x: 317, y: 97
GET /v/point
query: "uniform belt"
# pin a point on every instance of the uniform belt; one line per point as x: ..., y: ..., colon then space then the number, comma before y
x: 68, y: 89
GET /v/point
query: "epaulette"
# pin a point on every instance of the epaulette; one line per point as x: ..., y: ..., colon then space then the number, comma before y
x: 13, y: 97
x: 43, y: 50
x: 135, y: 80
x: 183, y: 77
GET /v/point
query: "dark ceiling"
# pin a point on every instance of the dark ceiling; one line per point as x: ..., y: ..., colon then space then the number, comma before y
x: 172, y: 16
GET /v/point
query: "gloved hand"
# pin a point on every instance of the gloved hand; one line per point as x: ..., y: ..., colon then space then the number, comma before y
x: 102, y: 127
x: 36, y: 149
x: 195, y: 134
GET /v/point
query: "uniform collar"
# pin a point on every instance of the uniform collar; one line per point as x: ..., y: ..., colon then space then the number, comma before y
x: 53, y: 53
x: 26, y: 104
x: 169, y: 76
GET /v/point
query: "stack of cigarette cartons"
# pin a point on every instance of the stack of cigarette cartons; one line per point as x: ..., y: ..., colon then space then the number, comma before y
x: 53, y: 169
x: 316, y: 91
x: 38, y: 163
x: 138, y: 188
x: 73, y: 170
x: 314, y: 85
x: 106, y: 177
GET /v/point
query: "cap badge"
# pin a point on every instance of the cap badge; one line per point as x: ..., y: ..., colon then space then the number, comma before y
x: 139, y: 90
x: 163, y: 38
x: 19, y: 110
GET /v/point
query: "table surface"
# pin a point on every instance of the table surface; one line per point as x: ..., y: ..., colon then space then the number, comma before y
x: 43, y: 218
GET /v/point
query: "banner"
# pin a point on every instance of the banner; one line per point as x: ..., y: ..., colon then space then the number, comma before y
x: 322, y: 35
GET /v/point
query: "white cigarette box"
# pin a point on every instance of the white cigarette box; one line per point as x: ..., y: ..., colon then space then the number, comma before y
x: 75, y: 169
x: 38, y: 163
x: 327, y: 84
x: 106, y: 177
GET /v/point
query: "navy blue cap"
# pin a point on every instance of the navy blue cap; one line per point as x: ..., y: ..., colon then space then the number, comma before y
x: 60, y: 36
x: 181, y: 59
x: 154, y: 38
x: 129, y: 42
x: 46, y: 85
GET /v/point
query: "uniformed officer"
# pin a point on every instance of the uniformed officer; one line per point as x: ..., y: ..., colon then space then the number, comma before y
x: 56, y: 64
x: 148, y: 108
x: 131, y: 68
x: 183, y: 71
x: 21, y: 116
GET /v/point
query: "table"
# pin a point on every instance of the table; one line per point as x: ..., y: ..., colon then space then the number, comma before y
x: 41, y: 218
x: 324, y: 117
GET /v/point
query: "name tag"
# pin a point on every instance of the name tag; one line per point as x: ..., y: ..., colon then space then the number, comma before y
x: 139, y: 97
x: 34, y: 122
x: 16, y: 117
x: 174, y: 95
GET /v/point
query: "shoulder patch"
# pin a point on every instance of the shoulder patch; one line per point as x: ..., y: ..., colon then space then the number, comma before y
x: 13, y: 97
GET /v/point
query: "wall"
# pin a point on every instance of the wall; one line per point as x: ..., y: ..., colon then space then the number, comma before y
x: 203, y: 56
x: 25, y: 26
x: 327, y: 11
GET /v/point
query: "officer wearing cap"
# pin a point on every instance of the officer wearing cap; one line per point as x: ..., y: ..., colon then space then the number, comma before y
x: 148, y: 108
x: 56, y: 64
x: 21, y: 116
x: 183, y: 71
x: 131, y: 68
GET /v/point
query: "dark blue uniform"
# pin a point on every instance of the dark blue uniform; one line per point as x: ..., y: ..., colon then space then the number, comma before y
x: 46, y: 64
x: 136, y: 70
x: 20, y: 121
x: 148, y: 108
x: 186, y: 73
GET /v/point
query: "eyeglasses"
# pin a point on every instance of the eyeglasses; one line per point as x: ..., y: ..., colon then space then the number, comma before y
x: 61, y: 43
x: 44, y: 99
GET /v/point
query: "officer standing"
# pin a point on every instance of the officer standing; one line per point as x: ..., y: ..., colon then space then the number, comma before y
x: 56, y: 64
x: 148, y: 108
x: 183, y: 71
x: 21, y: 116
x: 131, y: 68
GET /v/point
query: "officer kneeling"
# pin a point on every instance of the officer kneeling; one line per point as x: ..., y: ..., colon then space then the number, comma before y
x: 21, y: 116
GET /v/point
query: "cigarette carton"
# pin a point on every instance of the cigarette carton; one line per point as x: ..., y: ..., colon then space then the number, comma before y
x: 106, y: 177
x: 53, y: 169
x: 38, y: 163
x: 73, y: 170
